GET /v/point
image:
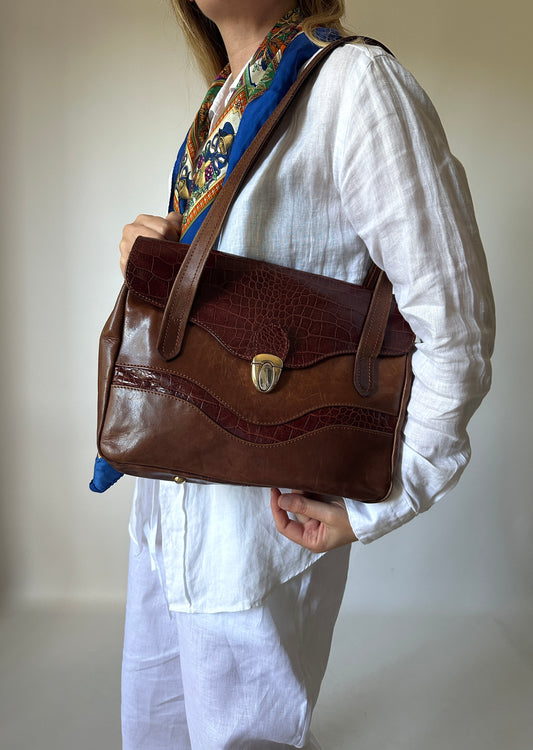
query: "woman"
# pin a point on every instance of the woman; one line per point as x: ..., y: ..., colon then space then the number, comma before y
x: 231, y: 601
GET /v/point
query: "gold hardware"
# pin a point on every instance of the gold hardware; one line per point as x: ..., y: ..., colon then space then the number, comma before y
x: 179, y: 480
x: 266, y: 369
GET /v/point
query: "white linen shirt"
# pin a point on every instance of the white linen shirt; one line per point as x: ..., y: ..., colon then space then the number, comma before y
x: 359, y: 169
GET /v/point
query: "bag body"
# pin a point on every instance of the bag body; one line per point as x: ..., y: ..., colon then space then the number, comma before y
x: 209, y: 414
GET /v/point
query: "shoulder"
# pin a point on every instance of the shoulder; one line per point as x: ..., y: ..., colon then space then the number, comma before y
x: 358, y: 66
x: 359, y: 54
x: 355, y: 58
x: 363, y: 81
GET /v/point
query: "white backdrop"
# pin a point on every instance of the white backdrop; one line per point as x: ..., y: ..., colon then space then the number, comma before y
x: 97, y: 98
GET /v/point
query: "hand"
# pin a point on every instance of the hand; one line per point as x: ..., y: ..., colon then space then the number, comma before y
x: 157, y: 227
x: 322, y: 521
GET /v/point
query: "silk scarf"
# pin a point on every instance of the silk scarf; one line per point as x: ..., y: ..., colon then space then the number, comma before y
x: 211, y: 150
x: 204, y: 163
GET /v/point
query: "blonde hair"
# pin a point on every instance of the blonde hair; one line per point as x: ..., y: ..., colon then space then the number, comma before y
x: 207, y: 46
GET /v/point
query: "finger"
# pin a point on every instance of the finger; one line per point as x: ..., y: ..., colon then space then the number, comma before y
x: 315, y: 535
x: 132, y: 231
x: 174, y: 217
x: 294, y: 530
x: 158, y: 227
x: 129, y: 235
x: 302, y: 505
x: 299, y: 516
x: 145, y: 225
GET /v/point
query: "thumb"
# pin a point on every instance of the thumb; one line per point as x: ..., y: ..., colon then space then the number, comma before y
x: 175, y: 218
x: 305, y: 507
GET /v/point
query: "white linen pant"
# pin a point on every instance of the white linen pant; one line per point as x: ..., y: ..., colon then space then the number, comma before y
x: 242, y: 680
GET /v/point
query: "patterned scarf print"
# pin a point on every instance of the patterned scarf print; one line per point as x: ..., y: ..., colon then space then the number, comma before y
x: 205, y: 159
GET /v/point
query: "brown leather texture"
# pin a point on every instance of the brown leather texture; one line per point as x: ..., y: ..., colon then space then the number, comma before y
x: 168, y: 384
x: 199, y: 415
x: 253, y: 307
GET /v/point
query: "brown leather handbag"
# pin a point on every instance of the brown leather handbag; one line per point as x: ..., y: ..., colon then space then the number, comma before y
x: 221, y: 368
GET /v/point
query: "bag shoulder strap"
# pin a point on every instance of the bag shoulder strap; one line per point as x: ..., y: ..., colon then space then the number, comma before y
x: 185, y: 285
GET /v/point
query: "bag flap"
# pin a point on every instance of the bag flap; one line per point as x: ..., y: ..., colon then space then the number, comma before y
x: 255, y: 307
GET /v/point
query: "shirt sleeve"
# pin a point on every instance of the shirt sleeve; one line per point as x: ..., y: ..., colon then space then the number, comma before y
x: 407, y: 197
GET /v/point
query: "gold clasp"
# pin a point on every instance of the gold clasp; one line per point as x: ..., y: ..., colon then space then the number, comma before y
x: 266, y: 369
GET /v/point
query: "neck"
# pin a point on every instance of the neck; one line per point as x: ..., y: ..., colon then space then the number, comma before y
x: 243, y: 34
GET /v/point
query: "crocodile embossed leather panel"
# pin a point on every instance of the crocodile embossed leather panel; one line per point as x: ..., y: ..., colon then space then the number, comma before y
x: 316, y: 315
x: 168, y: 384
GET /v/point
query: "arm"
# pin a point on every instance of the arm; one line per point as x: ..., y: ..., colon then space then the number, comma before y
x: 408, y: 199
x: 415, y: 214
